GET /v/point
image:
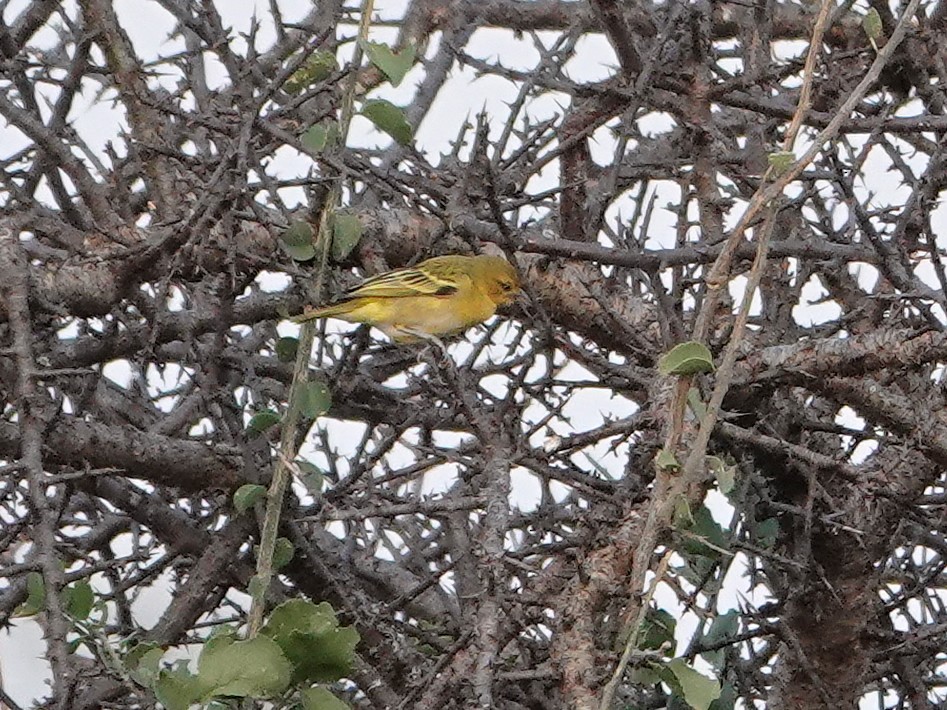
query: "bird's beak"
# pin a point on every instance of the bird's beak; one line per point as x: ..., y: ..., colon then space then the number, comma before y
x: 516, y: 303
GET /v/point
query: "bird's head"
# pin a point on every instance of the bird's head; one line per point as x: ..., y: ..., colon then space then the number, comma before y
x: 497, y: 278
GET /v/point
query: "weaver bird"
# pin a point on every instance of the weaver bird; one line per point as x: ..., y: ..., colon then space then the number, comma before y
x: 445, y: 295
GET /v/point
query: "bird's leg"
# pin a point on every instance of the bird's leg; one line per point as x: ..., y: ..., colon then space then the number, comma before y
x: 437, y: 351
x: 436, y: 343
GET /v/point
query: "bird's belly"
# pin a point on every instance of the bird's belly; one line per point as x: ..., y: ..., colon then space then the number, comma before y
x: 433, y: 315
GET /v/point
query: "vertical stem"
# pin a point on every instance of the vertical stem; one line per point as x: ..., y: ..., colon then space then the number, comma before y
x: 290, y: 427
x: 29, y: 405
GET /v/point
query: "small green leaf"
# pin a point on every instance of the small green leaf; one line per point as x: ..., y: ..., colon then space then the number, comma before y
x: 143, y: 663
x: 314, y: 399
x: 224, y: 630
x: 696, y: 569
x: 261, y: 421
x: 321, y: 699
x: 35, y: 596
x: 297, y: 241
x: 388, y: 118
x: 255, y: 668
x: 872, y: 25
x: 321, y: 135
x: 286, y: 349
x: 643, y: 676
x: 316, y: 137
x: 667, y: 461
x: 698, y: 690
x: 135, y: 656
x: 394, y: 66
x: 725, y: 475
x: 283, y: 552
x: 722, y: 628
x: 766, y: 532
x: 79, y: 600
x: 311, y: 638
x: 311, y: 477
x: 318, y: 698
x: 247, y: 496
x: 726, y: 479
x: 682, y: 518
x: 781, y: 161
x: 706, y: 537
x: 686, y: 359
x: 727, y: 700
x: 176, y: 688
x: 318, y: 67
x: 696, y: 403
x: 657, y: 630
x: 346, y: 232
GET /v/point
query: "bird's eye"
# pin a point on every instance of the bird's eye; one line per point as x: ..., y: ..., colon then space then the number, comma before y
x: 506, y: 286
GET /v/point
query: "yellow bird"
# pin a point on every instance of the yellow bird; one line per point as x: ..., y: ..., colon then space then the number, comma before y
x: 441, y: 296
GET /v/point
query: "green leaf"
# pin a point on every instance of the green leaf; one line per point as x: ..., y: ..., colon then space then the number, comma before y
x: 314, y: 399
x: 35, y: 596
x: 286, y: 349
x: 698, y: 690
x: 143, y: 663
x: 644, y: 676
x: 707, y: 537
x: 346, y: 232
x: 696, y: 403
x: 657, y: 630
x: 255, y: 668
x: 781, y: 161
x: 224, y: 630
x: 79, y: 599
x: 394, y: 66
x: 667, y: 460
x: 388, y: 118
x: 261, y: 421
x: 721, y: 628
x: 321, y: 699
x: 727, y: 700
x: 246, y: 497
x: 311, y: 638
x: 296, y: 241
x: 283, y: 552
x: 686, y: 359
x: 320, y: 136
x: 725, y: 475
x: 872, y: 25
x: 177, y: 688
x: 135, y: 656
x: 682, y: 518
x: 697, y: 570
x: 316, y: 137
x: 311, y: 477
x: 766, y: 532
x: 318, y: 67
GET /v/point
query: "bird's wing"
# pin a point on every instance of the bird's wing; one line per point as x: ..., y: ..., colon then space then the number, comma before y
x: 403, y: 282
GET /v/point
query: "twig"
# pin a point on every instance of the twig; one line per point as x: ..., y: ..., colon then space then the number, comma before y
x: 15, y: 272
x: 290, y: 427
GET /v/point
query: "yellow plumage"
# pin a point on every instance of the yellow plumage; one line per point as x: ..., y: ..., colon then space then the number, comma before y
x: 441, y: 296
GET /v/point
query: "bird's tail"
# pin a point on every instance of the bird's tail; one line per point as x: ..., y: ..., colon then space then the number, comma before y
x: 333, y: 309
